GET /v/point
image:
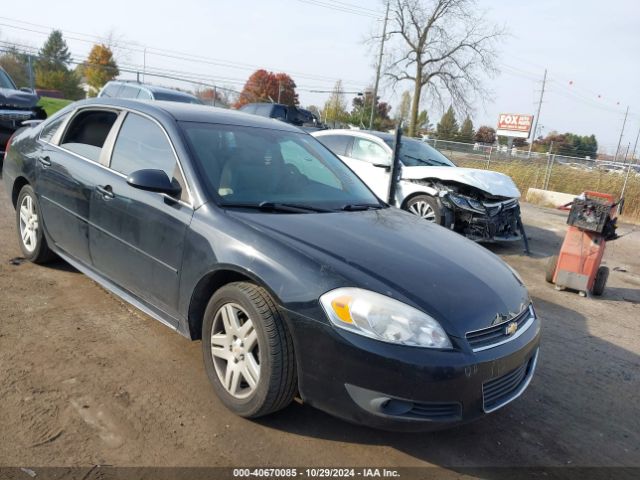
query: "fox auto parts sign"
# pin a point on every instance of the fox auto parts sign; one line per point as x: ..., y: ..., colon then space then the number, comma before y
x: 514, y: 125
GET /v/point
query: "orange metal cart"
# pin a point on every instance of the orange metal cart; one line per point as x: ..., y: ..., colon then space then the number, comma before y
x: 592, y: 222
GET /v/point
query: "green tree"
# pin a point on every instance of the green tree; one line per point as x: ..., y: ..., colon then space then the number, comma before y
x: 99, y: 68
x: 448, y: 129
x: 16, y: 64
x: 424, y: 124
x: 335, y: 108
x: 404, y: 108
x: 52, y: 70
x: 361, y: 112
x: 54, y: 54
x: 466, y: 131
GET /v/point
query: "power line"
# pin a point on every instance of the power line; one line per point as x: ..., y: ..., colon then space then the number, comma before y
x: 336, y: 7
x: 171, y: 54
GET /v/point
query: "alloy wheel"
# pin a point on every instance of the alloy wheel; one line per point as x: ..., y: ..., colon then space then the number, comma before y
x: 423, y: 210
x: 28, y: 223
x: 235, y: 350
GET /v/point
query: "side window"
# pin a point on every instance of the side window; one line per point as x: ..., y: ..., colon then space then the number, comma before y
x: 50, y: 129
x: 144, y: 95
x: 298, y: 161
x: 87, y: 133
x: 368, y: 151
x: 141, y: 144
x: 336, y: 143
x: 263, y: 109
x: 279, y: 112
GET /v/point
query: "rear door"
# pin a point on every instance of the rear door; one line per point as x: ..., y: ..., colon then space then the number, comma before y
x: 137, y: 237
x: 66, y: 173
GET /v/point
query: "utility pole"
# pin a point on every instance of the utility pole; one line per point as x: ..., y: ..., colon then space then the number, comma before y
x: 144, y: 65
x: 279, y: 90
x: 379, y: 67
x: 31, y: 82
x: 535, y: 123
x: 615, y: 158
x: 633, y: 155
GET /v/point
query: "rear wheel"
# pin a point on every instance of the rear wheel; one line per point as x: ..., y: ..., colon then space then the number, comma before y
x: 29, y: 222
x: 550, y: 269
x: 425, y: 207
x: 248, y: 351
x: 601, y: 281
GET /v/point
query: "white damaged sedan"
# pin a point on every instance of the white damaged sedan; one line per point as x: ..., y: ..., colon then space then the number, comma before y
x: 482, y: 205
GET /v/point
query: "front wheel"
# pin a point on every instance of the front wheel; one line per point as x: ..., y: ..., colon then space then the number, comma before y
x: 248, y: 351
x: 425, y: 207
x: 29, y: 222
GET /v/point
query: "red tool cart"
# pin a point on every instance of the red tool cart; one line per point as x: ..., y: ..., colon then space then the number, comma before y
x: 592, y: 222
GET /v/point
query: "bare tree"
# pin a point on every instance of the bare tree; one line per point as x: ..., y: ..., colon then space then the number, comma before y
x: 444, y: 47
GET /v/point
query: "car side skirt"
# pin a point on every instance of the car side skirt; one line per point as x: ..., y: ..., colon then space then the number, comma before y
x: 125, y: 295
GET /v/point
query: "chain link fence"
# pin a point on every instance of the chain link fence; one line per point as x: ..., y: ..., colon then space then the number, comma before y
x: 559, y: 173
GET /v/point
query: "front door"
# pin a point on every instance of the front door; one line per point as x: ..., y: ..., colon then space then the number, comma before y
x: 136, y: 237
x: 372, y: 163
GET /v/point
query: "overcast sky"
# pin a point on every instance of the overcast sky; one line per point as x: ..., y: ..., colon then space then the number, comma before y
x: 591, y: 49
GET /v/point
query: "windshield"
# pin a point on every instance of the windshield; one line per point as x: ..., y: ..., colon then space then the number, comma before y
x: 5, y: 81
x: 176, y: 97
x: 414, y: 153
x: 247, y: 166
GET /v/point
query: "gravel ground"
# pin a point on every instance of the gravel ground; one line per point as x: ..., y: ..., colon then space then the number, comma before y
x: 87, y: 380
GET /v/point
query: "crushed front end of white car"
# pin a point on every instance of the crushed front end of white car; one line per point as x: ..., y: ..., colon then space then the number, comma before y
x: 482, y: 205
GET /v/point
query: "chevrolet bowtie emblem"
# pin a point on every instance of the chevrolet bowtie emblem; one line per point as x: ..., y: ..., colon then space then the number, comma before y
x: 511, y: 328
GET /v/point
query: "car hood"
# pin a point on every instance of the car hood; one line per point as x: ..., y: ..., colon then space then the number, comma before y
x: 17, y: 98
x: 493, y: 183
x: 462, y: 285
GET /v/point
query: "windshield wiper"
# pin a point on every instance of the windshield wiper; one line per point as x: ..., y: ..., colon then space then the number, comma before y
x: 353, y: 207
x: 277, y: 207
x: 431, y: 162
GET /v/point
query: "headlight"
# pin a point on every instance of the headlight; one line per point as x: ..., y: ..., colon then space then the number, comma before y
x: 383, y: 318
x: 467, y: 203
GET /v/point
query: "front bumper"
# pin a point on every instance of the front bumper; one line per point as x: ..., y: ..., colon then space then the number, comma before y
x: 395, y: 387
x: 499, y: 223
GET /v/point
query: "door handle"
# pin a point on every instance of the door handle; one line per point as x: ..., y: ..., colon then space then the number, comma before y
x: 45, y: 161
x: 106, y: 191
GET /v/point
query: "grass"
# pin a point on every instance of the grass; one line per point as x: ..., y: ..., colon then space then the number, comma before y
x: 52, y: 105
x: 530, y: 173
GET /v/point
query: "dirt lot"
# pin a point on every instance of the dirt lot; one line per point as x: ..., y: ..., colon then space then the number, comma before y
x: 86, y: 379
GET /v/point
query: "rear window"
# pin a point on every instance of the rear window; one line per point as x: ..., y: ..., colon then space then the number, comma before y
x: 111, y: 90
x: 87, y: 133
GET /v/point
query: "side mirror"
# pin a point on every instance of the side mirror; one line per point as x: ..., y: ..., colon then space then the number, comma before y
x: 153, y: 180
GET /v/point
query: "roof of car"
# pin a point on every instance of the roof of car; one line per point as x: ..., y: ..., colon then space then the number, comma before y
x: 188, y: 112
x: 384, y: 136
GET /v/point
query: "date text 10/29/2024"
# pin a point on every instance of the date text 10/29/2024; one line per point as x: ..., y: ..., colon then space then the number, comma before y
x: 315, y: 472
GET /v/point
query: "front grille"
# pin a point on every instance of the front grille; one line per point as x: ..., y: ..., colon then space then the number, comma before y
x: 11, y: 115
x: 500, y: 391
x: 495, y: 334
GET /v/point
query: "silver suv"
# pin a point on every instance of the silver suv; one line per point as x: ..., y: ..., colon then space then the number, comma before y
x: 142, y: 91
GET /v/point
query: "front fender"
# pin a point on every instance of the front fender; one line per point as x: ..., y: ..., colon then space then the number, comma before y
x: 408, y: 189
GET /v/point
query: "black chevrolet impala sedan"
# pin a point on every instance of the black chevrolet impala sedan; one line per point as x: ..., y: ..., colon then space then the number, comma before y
x: 250, y: 235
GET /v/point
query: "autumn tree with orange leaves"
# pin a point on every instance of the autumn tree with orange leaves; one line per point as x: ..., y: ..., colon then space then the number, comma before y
x: 264, y: 86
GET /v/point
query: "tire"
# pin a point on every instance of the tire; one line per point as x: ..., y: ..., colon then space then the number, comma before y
x: 248, y: 351
x: 425, y: 207
x: 602, y: 275
x: 29, y: 222
x: 550, y: 269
